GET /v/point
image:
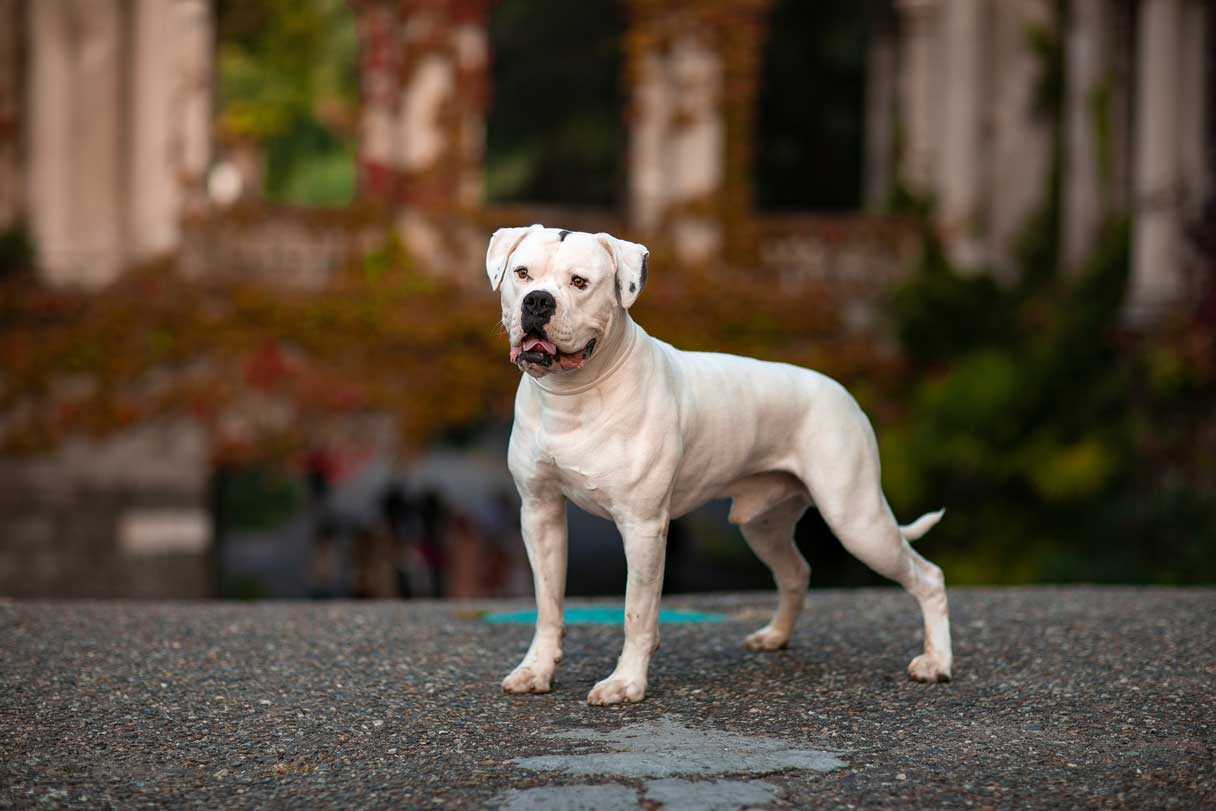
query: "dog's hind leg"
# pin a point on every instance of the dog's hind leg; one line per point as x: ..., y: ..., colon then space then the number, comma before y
x: 874, y: 538
x: 770, y: 534
x: 848, y: 493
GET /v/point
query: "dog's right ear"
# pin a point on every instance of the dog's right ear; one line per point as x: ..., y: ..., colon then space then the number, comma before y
x: 498, y: 255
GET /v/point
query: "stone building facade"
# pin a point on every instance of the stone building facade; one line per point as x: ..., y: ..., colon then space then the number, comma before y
x: 105, y: 125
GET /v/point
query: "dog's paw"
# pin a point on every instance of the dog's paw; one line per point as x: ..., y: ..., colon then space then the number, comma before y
x: 766, y: 639
x: 929, y: 669
x: 617, y: 690
x: 525, y: 679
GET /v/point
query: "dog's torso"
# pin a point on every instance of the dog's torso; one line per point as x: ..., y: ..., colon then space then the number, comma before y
x: 665, y: 424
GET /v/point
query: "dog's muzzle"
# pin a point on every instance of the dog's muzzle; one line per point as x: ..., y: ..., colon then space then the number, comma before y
x: 537, y: 350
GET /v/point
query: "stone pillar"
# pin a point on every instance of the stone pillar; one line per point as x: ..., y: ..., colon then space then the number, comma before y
x: 12, y: 29
x: 49, y: 139
x: 882, y: 76
x: 693, y: 67
x: 1018, y: 157
x: 192, y: 102
x: 170, y: 123
x: 696, y: 147
x: 75, y: 140
x: 1157, y: 240
x: 1195, y: 50
x: 960, y: 164
x: 425, y: 92
x: 380, y: 77
x: 154, y: 193
x: 650, y: 116
x: 919, y: 92
x: 1090, y: 75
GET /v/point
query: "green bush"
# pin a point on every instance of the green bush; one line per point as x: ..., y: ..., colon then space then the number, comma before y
x: 1064, y: 445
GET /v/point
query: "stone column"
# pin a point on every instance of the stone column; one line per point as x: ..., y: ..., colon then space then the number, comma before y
x: 1157, y: 258
x: 1018, y: 156
x: 49, y: 136
x: 696, y: 147
x: 960, y: 164
x: 693, y: 67
x: 75, y: 138
x: 1195, y: 50
x: 193, y: 98
x: 380, y: 77
x: 882, y: 76
x: 98, y: 130
x: 677, y: 152
x: 1090, y: 77
x: 154, y: 194
x: 170, y: 124
x: 650, y: 116
x: 12, y: 30
x: 425, y: 91
x: 919, y: 92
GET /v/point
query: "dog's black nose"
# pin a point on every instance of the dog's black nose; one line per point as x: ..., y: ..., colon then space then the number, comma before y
x: 538, y: 307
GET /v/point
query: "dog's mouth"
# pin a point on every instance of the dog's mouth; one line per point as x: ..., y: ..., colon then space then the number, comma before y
x: 537, y: 350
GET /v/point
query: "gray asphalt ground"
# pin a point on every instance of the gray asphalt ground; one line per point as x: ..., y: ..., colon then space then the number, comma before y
x: 1062, y: 698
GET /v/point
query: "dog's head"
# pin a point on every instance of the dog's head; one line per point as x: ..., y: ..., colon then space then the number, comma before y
x: 562, y: 291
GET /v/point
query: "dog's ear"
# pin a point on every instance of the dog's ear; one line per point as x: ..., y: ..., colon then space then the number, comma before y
x: 498, y: 254
x: 629, y: 260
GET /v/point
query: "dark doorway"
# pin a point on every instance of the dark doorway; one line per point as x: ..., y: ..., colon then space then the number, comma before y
x: 810, y: 138
x: 555, y: 133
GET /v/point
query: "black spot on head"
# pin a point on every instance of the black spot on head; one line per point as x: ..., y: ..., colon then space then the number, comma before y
x: 632, y: 287
x: 645, y: 261
x: 561, y: 235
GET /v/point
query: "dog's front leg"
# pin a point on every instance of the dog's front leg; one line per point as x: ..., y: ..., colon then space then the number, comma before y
x: 645, y: 549
x: 543, y: 522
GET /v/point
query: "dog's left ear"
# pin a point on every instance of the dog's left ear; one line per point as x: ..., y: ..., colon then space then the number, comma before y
x: 629, y: 260
x: 502, y: 244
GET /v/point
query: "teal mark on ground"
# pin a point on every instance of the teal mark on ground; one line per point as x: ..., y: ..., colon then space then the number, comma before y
x: 602, y: 615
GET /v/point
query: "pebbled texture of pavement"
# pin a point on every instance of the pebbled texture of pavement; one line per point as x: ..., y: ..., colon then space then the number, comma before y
x: 1063, y: 698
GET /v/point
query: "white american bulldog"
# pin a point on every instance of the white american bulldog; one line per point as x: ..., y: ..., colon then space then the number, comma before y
x: 633, y: 430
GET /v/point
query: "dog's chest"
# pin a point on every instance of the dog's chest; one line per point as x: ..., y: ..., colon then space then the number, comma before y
x: 591, y: 470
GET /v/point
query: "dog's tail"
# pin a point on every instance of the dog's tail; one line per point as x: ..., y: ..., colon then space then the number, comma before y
x: 921, y: 525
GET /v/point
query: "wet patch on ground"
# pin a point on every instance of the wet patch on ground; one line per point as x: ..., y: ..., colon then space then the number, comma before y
x: 662, y: 753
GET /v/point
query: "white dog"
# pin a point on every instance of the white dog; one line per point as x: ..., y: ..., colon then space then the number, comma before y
x: 636, y: 431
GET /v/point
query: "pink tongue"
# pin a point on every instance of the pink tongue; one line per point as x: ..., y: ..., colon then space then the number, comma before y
x: 532, y: 343
x: 529, y: 345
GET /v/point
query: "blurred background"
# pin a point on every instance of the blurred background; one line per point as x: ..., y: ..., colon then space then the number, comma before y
x: 247, y: 349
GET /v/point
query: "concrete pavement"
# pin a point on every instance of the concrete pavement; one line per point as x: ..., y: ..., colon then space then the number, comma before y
x: 1063, y: 698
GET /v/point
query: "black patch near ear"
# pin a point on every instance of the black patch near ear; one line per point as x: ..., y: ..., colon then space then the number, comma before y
x: 645, y: 260
x: 632, y: 287
x: 561, y: 235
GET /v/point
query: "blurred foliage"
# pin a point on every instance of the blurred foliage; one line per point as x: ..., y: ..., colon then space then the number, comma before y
x: 251, y: 498
x: 1068, y: 448
x: 1065, y: 447
x: 383, y: 338
x: 552, y: 55
x: 289, y: 84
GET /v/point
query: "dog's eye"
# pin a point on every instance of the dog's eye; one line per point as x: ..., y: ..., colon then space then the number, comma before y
x: 521, y: 272
x: 579, y: 282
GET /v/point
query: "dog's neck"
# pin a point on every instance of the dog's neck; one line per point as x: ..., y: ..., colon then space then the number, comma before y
x: 610, y: 354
